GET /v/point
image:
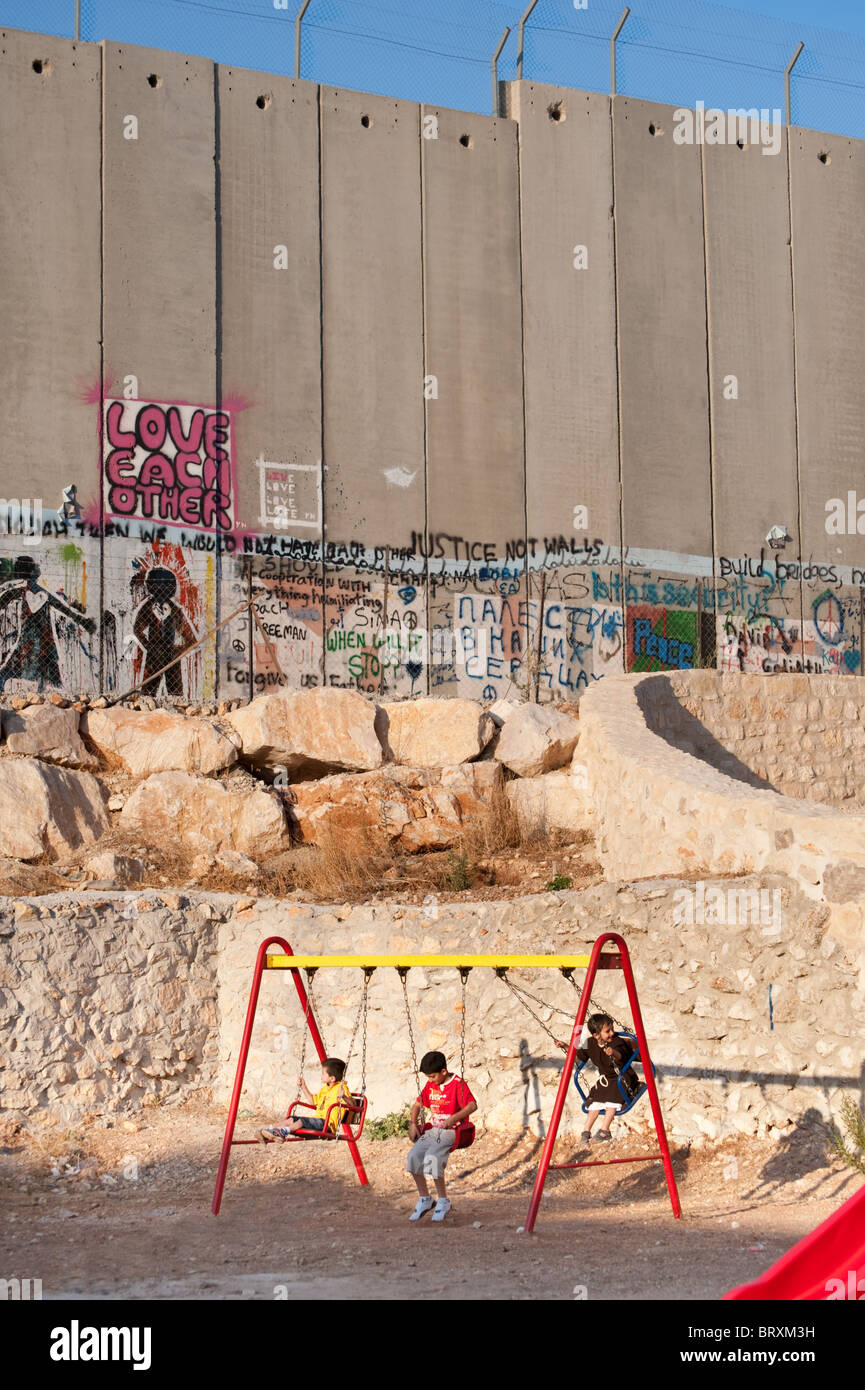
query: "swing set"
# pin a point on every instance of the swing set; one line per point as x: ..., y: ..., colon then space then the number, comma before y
x: 352, y: 1108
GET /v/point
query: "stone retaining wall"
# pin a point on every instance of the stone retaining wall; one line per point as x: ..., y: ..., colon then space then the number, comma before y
x: 800, y: 735
x: 104, y: 999
x: 657, y: 809
x: 108, y: 999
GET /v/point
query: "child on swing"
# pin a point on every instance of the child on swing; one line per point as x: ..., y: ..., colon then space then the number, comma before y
x: 332, y: 1089
x: 608, y: 1052
x: 449, y: 1101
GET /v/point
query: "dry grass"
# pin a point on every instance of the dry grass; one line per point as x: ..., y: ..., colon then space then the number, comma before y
x: 495, y: 828
x: 344, y: 866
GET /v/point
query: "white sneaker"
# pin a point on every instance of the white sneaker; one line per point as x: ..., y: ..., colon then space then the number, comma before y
x: 443, y: 1206
x: 424, y: 1204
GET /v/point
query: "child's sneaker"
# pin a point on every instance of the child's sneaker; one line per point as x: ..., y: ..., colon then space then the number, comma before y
x: 424, y: 1204
x: 604, y: 1135
x: 272, y: 1133
x: 443, y: 1206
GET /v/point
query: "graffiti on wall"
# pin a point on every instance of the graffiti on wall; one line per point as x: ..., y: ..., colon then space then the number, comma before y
x: 661, y: 639
x: 45, y: 630
x: 833, y: 634
x: 759, y: 644
x: 290, y: 495
x: 168, y: 463
x: 163, y: 603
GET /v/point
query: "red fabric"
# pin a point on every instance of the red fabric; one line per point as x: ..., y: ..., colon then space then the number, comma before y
x: 834, y: 1252
x: 444, y: 1101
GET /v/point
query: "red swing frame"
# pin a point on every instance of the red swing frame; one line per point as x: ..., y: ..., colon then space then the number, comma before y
x: 612, y: 960
x: 229, y: 1141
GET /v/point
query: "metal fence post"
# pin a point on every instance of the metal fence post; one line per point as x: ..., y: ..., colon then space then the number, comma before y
x: 298, y: 22
x: 77, y: 21
x: 790, y: 66
x: 520, y: 33
x: 619, y: 27
x: 495, y: 70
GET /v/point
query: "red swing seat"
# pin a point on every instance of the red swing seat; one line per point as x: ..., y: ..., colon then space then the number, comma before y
x: 350, y: 1105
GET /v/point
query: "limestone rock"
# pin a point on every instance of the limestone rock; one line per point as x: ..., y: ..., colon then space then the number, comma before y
x: 500, y: 710
x: 121, y: 869
x: 434, y: 733
x: 554, y: 801
x: 309, y: 732
x: 198, y: 814
x: 47, y: 732
x: 536, y: 739
x: 412, y: 808
x: 48, y: 810
x: 159, y: 741
x: 230, y: 861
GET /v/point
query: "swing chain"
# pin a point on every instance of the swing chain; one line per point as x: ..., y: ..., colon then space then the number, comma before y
x: 361, y: 1015
x: 402, y: 971
x: 310, y: 978
x: 465, y: 971
x: 568, y: 974
x: 518, y: 992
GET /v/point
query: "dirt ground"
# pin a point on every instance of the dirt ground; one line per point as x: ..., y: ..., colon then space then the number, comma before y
x: 119, y: 1208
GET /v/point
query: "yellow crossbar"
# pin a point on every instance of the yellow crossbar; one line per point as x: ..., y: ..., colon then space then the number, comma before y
x: 280, y: 962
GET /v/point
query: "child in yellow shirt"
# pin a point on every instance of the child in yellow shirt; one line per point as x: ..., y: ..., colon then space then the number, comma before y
x: 333, y: 1088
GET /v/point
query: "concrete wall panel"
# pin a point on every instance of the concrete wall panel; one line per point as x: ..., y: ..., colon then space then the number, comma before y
x: 751, y: 366
x: 473, y: 348
x: 571, y: 391
x: 160, y: 318
x: 566, y: 193
x: 662, y: 336
x: 49, y: 274
x: 372, y: 353
x: 827, y: 181
x: 270, y: 297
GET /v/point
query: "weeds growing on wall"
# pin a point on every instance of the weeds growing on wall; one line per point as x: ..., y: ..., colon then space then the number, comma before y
x: 849, y: 1145
x: 456, y: 875
x: 559, y: 883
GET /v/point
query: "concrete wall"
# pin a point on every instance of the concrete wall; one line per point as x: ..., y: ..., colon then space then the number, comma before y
x: 452, y: 394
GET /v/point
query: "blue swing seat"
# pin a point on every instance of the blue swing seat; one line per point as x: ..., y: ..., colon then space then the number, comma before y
x: 628, y: 1102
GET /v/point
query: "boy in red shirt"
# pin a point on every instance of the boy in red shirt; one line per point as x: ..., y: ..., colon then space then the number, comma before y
x: 449, y: 1102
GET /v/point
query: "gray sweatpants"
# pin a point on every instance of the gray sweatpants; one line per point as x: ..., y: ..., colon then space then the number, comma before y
x: 430, y: 1153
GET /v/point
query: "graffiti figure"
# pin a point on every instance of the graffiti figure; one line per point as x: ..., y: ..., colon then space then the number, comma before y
x: 29, y: 650
x: 163, y: 632
x: 70, y: 509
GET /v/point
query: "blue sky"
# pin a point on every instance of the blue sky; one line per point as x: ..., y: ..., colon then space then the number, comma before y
x: 673, y: 51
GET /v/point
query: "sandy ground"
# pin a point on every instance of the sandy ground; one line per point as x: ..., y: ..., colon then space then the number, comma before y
x: 119, y: 1208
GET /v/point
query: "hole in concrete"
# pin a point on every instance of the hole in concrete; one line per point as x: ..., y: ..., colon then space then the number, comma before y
x: 42, y: 66
x: 740, y: 145
x: 365, y: 122
x: 824, y: 157
x: 263, y: 101
x: 655, y: 129
x: 466, y: 142
x: 556, y: 111
x: 154, y: 80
